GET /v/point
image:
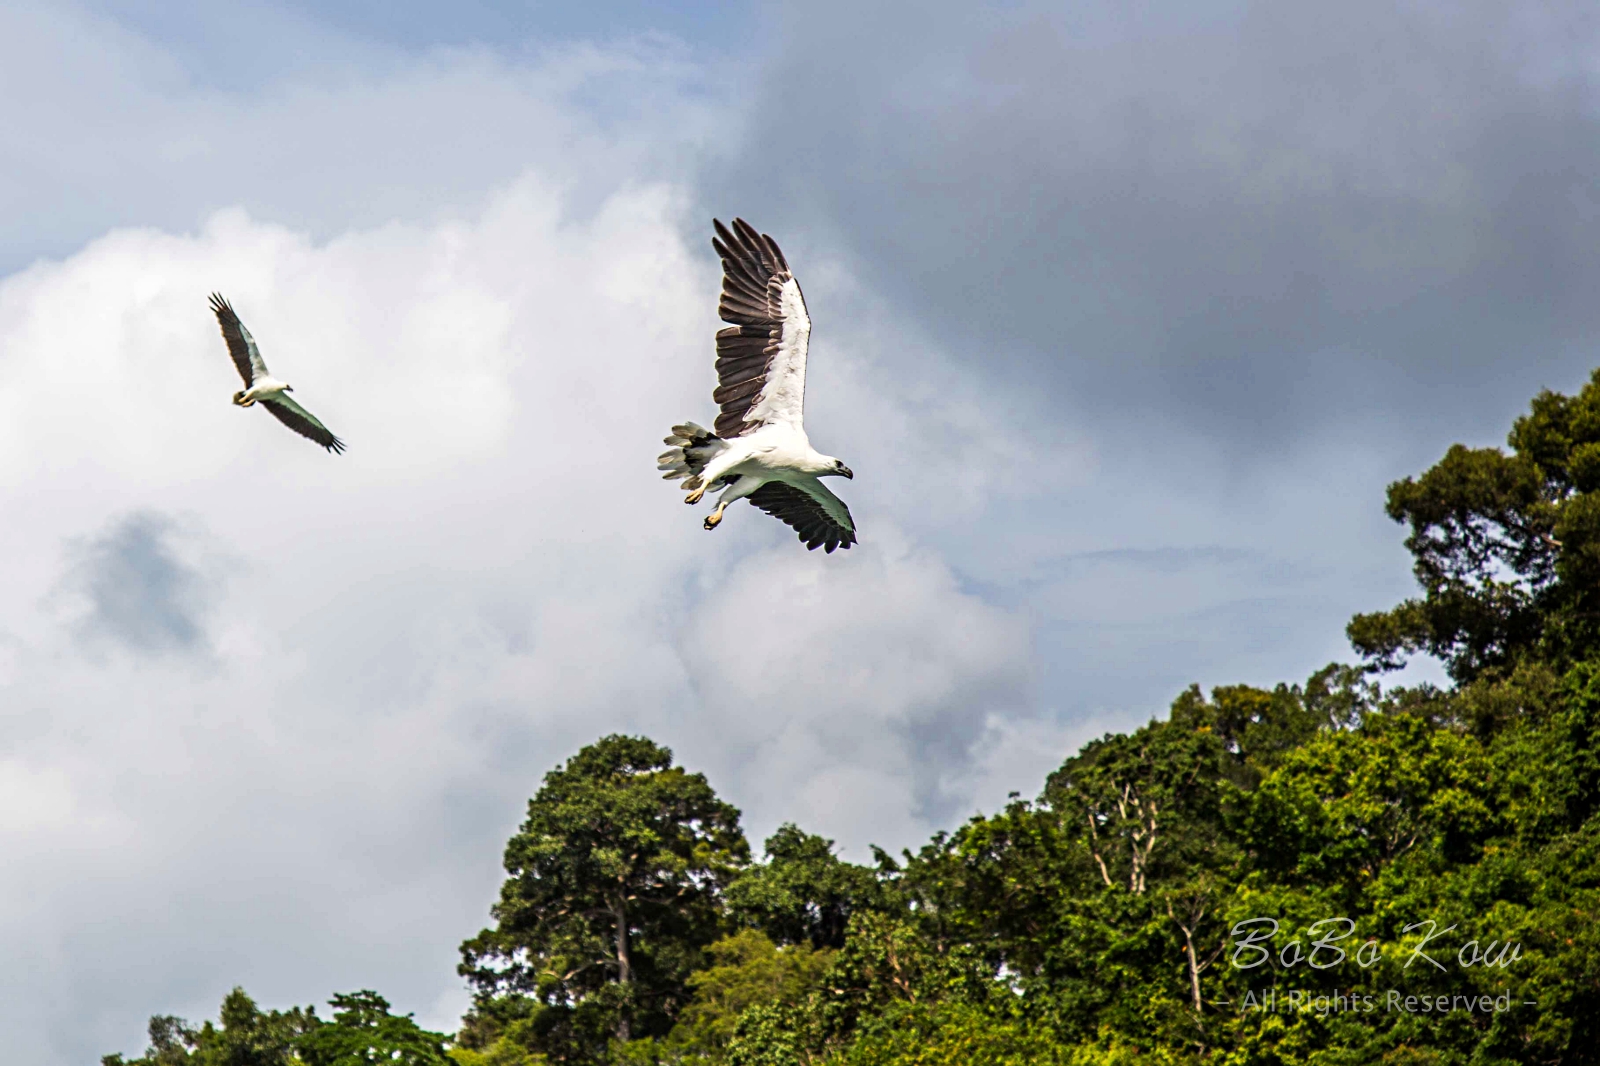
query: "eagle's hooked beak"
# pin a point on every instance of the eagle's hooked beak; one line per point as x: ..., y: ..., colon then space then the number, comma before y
x: 845, y: 470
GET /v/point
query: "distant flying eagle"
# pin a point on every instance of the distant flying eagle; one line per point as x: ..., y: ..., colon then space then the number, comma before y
x: 261, y: 385
x: 760, y: 449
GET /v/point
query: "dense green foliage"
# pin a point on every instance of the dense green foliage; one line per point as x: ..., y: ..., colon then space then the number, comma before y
x: 615, y: 891
x: 362, y: 1033
x: 802, y: 893
x: 1322, y: 873
x: 1507, y: 549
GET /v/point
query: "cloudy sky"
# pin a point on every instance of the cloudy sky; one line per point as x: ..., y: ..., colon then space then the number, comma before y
x: 1125, y: 315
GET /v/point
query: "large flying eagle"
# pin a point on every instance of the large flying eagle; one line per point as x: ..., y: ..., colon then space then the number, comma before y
x: 760, y: 449
x: 259, y: 384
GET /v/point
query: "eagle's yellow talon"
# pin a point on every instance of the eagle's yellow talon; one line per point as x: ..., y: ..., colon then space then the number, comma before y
x: 695, y: 497
x: 714, y: 517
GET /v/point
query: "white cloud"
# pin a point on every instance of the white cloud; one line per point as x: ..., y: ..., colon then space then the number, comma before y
x: 401, y: 640
x: 851, y: 687
x: 34, y: 799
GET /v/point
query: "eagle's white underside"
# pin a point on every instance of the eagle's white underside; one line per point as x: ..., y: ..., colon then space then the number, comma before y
x: 775, y: 452
x: 263, y: 388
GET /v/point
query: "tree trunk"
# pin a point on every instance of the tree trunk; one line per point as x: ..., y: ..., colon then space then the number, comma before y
x: 1194, y: 969
x: 619, y: 913
x: 1195, y: 965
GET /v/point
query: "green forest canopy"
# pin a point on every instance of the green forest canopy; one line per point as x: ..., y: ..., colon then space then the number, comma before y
x: 1324, y: 872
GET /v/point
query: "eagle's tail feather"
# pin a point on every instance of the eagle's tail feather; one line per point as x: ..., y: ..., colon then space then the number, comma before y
x: 692, y: 447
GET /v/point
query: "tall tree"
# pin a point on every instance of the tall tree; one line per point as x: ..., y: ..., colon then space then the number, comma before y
x: 747, y: 970
x: 364, y: 1033
x: 244, y: 1035
x: 1146, y: 802
x: 803, y: 893
x: 1506, y: 547
x: 614, y: 891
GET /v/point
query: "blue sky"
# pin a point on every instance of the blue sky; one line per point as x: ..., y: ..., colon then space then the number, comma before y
x: 1124, y: 317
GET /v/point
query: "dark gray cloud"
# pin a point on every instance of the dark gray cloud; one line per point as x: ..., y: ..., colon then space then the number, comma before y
x: 1255, y: 219
x: 141, y: 594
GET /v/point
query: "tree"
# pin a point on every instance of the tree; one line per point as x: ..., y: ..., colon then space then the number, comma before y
x: 1147, y: 802
x: 364, y: 1033
x: 171, y: 1040
x: 748, y: 970
x: 803, y: 893
x: 1506, y: 549
x: 615, y: 887
x: 245, y: 1036
x: 996, y: 883
x: 887, y: 975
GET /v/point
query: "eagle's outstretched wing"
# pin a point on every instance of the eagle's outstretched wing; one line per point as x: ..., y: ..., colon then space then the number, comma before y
x: 820, y: 517
x: 242, y: 346
x: 303, y: 422
x: 761, y: 358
